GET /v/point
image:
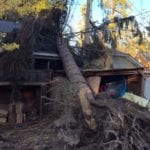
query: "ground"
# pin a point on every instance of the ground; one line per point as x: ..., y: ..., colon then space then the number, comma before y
x: 120, y: 125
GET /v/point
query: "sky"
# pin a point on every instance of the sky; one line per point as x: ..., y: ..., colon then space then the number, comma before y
x: 139, y: 9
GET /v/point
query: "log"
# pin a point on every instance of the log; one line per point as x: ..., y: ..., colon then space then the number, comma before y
x: 94, y: 83
x: 3, y: 113
x: 75, y: 76
x: 3, y: 110
x: 3, y: 120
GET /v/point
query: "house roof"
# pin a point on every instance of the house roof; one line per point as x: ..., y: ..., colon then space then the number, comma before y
x: 121, y: 64
x: 124, y: 61
x: 119, y: 60
x: 8, y: 26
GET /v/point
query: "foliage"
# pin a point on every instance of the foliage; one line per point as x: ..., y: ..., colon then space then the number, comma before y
x: 125, y: 29
x: 60, y: 4
x: 17, y: 9
x: 148, y: 29
x: 137, y: 51
x: 115, y: 7
x: 83, y: 10
x: 10, y: 46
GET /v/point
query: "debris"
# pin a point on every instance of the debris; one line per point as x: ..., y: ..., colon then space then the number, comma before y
x: 66, y: 124
x: 136, y: 99
x: 121, y: 124
x: 115, y: 89
x: 3, y: 120
x: 3, y: 113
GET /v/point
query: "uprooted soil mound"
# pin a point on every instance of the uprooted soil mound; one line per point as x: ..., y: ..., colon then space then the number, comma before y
x: 121, y: 125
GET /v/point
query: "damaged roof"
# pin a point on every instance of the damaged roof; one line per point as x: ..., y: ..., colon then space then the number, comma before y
x: 124, y: 61
x: 120, y: 62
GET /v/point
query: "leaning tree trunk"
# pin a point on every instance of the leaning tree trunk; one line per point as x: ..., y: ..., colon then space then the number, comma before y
x: 75, y: 76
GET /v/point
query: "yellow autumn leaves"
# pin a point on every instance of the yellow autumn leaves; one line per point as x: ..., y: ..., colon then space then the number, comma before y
x: 10, y: 46
x: 25, y: 8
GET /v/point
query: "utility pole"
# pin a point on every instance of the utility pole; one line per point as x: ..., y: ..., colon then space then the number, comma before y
x: 87, y: 20
x: 87, y: 23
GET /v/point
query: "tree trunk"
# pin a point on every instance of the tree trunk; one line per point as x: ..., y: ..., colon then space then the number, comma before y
x: 76, y: 78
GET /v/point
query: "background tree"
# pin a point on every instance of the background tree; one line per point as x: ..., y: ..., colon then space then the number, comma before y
x: 17, y: 9
x: 126, y: 42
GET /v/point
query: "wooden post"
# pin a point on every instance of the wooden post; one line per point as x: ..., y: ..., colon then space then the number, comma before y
x: 19, y: 114
x: 43, y: 93
x: 12, y: 113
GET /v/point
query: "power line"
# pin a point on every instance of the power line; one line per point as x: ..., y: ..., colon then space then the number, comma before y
x: 71, y: 15
x: 103, y: 24
x: 146, y: 12
x: 143, y: 18
x: 68, y: 14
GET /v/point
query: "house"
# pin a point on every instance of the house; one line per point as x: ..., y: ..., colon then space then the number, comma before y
x: 47, y: 64
x: 35, y: 82
x: 123, y: 67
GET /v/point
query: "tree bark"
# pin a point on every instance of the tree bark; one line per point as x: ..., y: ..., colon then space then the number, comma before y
x: 75, y: 76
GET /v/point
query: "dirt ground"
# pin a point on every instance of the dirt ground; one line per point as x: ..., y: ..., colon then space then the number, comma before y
x: 121, y: 125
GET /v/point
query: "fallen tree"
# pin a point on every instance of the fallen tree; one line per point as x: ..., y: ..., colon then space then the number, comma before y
x: 75, y: 77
